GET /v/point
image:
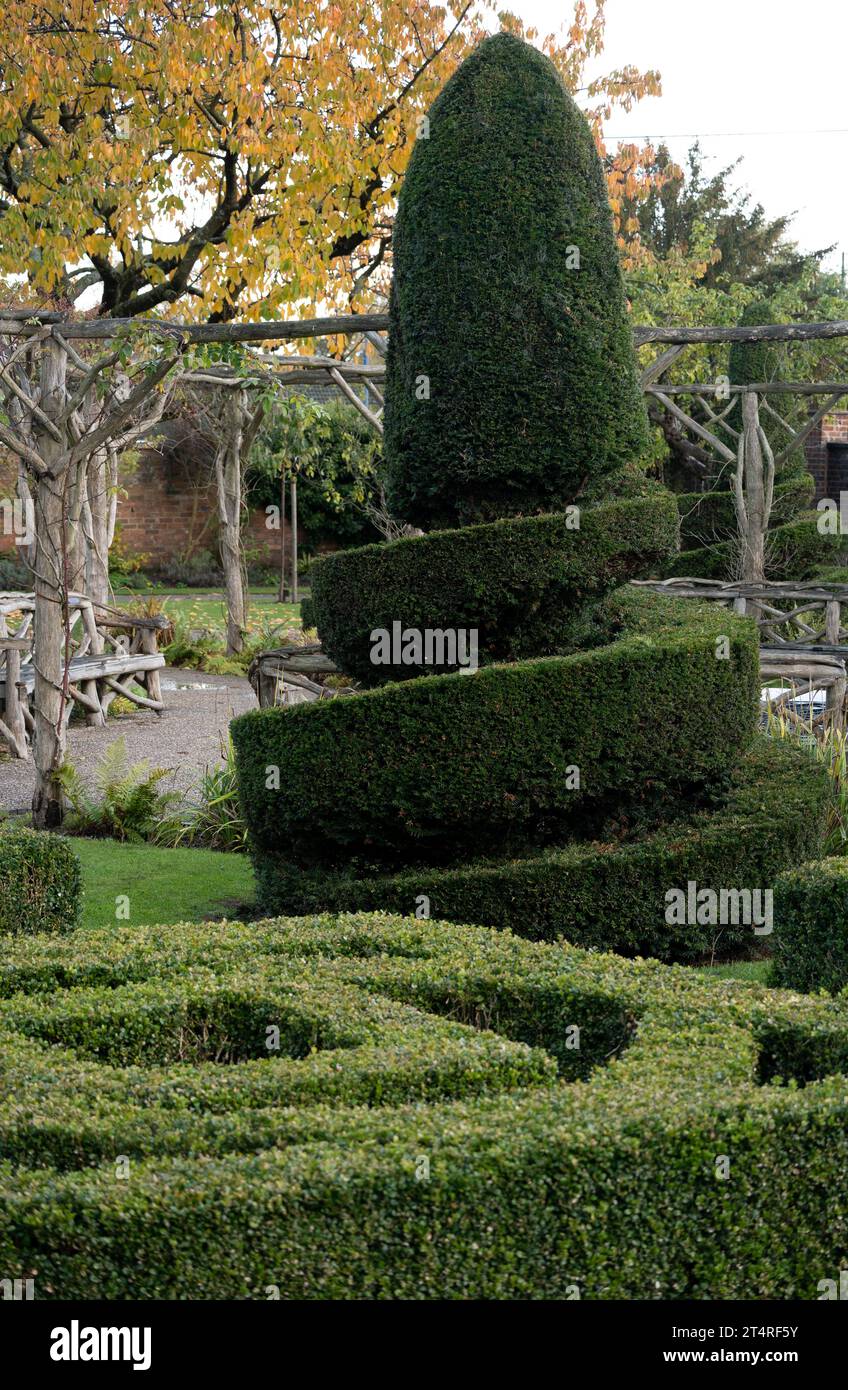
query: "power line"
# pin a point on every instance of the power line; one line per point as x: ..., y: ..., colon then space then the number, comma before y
x: 721, y: 134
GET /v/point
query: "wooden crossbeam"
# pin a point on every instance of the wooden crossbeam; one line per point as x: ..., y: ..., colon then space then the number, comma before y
x: 13, y: 323
x: 701, y: 430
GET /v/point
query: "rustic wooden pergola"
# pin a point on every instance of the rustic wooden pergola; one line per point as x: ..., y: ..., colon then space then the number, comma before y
x: 45, y: 381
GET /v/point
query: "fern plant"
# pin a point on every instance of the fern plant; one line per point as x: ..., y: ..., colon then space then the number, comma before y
x: 126, y: 804
x: 214, y: 818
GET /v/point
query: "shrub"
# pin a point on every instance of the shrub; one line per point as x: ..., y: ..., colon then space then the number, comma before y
x: 707, y: 517
x: 811, y: 927
x: 40, y: 883
x: 212, y: 819
x: 608, y: 894
x: 396, y: 1147
x: 448, y: 764
x: 793, y: 551
x: 529, y: 360
x: 519, y: 582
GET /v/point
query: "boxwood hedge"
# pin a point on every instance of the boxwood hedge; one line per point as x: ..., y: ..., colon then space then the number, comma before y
x: 40, y: 882
x: 811, y: 926
x: 611, y: 894
x: 518, y: 582
x: 451, y: 1113
x: 511, y: 374
x: 447, y: 765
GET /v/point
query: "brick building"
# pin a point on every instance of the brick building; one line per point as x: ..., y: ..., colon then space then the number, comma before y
x: 827, y: 455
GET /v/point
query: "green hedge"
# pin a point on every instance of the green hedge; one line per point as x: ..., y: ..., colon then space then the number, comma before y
x: 792, y: 552
x: 518, y: 582
x: 707, y: 518
x: 40, y: 883
x: 811, y: 926
x: 530, y: 373
x: 609, y: 895
x: 395, y: 1147
x: 445, y: 765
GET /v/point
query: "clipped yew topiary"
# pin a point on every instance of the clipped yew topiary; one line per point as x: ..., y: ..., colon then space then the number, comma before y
x: 592, y: 754
x: 520, y: 583
x: 511, y: 372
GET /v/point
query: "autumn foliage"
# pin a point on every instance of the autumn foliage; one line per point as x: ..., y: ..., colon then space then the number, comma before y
x: 233, y: 158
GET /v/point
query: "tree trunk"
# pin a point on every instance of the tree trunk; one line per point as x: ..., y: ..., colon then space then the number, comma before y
x: 754, y: 486
x: 282, y: 594
x: 51, y: 610
x: 228, y: 475
x: 295, y: 597
x: 99, y: 510
x: 240, y: 428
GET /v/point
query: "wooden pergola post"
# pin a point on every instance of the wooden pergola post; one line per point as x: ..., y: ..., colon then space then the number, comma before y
x: 754, y: 489
x: 51, y: 595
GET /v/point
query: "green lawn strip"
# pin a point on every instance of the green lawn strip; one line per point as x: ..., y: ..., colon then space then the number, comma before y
x: 738, y: 970
x: 162, y: 885
x: 212, y: 612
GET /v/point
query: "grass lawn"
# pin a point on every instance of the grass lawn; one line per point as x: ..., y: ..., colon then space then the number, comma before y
x: 163, y: 885
x: 211, y: 613
x: 737, y: 970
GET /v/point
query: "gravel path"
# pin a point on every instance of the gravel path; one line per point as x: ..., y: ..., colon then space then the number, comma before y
x: 186, y: 737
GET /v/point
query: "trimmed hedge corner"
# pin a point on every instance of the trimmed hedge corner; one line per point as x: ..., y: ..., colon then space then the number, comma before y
x: 518, y: 582
x: 608, y: 895
x: 811, y: 927
x: 446, y: 765
x: 417, y: 1134
x: 40, y: 883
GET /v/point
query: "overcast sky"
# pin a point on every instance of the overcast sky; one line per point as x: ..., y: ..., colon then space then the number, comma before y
x: 766, y: 79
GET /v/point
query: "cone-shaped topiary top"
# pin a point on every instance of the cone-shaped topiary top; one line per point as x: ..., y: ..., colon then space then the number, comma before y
x: 511, y: 372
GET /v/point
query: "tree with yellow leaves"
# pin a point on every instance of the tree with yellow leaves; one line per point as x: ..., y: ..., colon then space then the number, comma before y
x: 236, y: 157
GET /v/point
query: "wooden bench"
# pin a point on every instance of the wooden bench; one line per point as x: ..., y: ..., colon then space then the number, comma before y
x: 95, y: 676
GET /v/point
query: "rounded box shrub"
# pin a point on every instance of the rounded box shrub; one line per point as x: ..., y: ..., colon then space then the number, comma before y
x: 811, y: 931
x: 444, y: 1112
x: 40, y: 882
x: 510, y: 374
x: 519, y: 583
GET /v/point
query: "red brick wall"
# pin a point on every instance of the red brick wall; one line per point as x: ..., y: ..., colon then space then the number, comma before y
x: 166, y: 513
x: 833, y: 429
x: 163, y: 513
